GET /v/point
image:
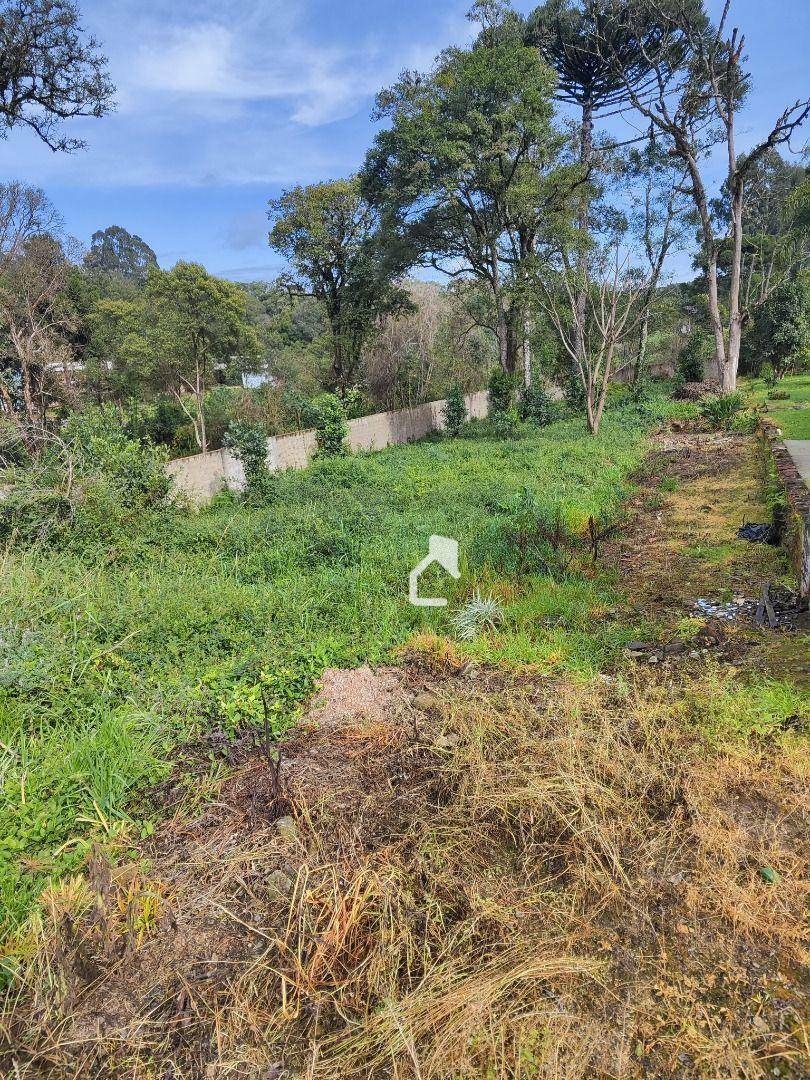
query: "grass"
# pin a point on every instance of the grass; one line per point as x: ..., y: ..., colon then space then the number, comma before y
x: 577, y: 880
x: 117, y: 647
x: 792, y: 415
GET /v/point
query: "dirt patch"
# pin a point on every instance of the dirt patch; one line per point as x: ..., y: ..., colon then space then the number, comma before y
x: 530, y: 878
x: 684, y: 557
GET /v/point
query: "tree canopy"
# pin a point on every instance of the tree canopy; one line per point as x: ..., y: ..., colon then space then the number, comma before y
x: 50, y: 70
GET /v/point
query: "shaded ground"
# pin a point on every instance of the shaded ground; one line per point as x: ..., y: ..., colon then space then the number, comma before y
x: 464, y: 872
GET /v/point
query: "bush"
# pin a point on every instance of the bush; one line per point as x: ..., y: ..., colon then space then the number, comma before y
x: 537, y: 405
x: 691, y: 366
x: 501, y: 388
x: 103, y: 452
x: 506, y: 425
x: 248, y: 444
x: 719, y: 411
x: 455, y: 411
x: 331, y: 428
x: 769, y: 376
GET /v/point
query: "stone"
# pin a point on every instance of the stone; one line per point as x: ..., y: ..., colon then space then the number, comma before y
x: 287, y: 828
x: 426, y: 702
x: 637, y: 646
x: 278, y: 885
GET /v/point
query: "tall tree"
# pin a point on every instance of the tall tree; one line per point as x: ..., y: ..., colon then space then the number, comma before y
x: 700, y: 84
x: 469, y: 163
x: 195, y: 322
x: 50, y: 71
x: 114, y: 251
x: 346, y: 254
x: 567, y: 33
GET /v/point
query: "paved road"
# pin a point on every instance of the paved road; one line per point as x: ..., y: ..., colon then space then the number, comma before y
x: 800, y: 452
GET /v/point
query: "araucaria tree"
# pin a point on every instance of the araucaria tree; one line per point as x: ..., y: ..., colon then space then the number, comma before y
x: 469, y: 164
x: 197, y: 322
x: 693, y: 101
x: 50, y: 71
x: 347, y: 255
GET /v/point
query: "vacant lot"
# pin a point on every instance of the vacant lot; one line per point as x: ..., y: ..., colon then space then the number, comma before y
x: 471, y: 870
x: 124, y: 643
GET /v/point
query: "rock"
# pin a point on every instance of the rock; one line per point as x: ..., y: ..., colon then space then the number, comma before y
x: 638, y: 646
x: 426, y: 702
x: 653, y: 659
x: 694, y: 654
x: 278, y: 885
x: 446, y: 742
x: 675, y: 648
x: 287, y: 828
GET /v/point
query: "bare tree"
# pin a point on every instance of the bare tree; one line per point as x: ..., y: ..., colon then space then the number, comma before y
x: 37, y: 321
x: 694, y: 99
x: 660, y: 219
x: 24, y: 212
x: 593, y: 338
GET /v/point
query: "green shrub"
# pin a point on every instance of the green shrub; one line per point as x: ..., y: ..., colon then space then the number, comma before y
x: 501, y: 388
x: 691, y: 366
x: 537, y: 405
x: 331, y: 428
x: 248, y: 444
x: 779, y: 395
x: 455, y: 411
x: 719, y: 411
x: 506, y: 425
x: 768, y: 375
x: 104, y: 452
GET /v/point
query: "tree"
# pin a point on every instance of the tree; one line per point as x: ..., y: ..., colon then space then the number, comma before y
x: 775, y: 243
x: 781, y: 331
x: 25, y: 212
x: 698, y: 88
x: 195, y: 322
x: 567, y: 33
x: 37, y: 321
x: 659, y: 218
x: 613, y: 312
x: 114, y: 251
x: 345, y: 253
x: 50, y: 71
x: 469, y: 165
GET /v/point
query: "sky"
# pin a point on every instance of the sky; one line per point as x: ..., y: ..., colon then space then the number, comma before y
x: 221, y: 104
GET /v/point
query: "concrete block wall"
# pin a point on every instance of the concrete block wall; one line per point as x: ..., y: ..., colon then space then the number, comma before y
x: 201, y: 476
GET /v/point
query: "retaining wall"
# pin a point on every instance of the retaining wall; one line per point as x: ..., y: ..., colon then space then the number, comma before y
x: 797, y: 497
x: 201, y: 476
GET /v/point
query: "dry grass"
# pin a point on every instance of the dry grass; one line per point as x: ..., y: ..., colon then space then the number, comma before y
x: 538, y: 880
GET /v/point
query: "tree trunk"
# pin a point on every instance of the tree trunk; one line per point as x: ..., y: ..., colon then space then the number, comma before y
x: 715, y: 318
x: 735, y: 318
x: 527, y: 352
x: 585, y: 158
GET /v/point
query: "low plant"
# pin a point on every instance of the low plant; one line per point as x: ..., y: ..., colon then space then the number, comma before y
x: 537, y: 406
x: 719, y: 410
x: 691, y: 364
x: 248, y: 443
x: 478, y: 614
x: 501, y: 388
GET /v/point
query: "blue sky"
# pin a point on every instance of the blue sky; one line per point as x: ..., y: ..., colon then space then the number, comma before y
x: 222, y: 103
